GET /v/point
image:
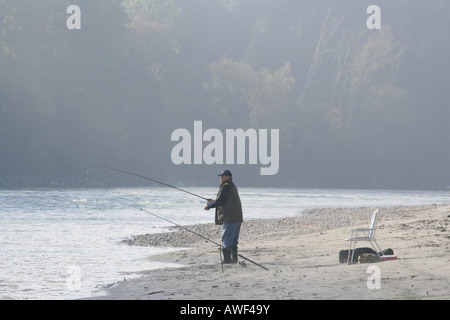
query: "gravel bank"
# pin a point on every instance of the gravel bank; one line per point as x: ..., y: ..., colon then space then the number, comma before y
x: 312, y: 220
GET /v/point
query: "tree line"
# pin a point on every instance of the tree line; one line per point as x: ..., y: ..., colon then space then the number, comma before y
x: 355, y: 107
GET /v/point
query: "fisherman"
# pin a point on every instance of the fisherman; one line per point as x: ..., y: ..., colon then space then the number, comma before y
x: 229, y: 214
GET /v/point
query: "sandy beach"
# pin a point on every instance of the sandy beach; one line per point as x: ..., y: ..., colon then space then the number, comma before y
x: 302, y: 258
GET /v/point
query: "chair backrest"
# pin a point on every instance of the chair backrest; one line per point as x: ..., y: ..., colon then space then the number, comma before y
x: 373, y: 223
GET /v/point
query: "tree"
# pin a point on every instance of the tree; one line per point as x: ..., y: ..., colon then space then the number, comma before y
x: 260, y: 97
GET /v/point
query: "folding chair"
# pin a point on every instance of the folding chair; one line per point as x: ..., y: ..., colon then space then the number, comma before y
x: 365, y: 235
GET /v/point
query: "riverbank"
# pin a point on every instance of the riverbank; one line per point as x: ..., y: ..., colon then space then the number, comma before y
x: 302, y: 255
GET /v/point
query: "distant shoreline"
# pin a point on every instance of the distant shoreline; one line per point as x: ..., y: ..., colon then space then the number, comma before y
x: 111, y: 182
x: 311, y: 220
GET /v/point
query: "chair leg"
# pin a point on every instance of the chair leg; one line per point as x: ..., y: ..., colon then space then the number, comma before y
x: 348, y: 255
x: 351, y: 252
x: 377, y: 246
x: 352, y: 247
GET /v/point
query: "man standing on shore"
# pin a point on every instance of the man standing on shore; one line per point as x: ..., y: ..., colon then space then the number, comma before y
x: 229, y: 214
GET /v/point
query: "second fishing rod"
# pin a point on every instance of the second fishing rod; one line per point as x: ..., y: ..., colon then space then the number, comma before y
x: 203, y: 237
x: 179, y: 189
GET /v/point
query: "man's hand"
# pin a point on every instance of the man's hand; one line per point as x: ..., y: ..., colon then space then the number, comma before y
x: 208, y: 201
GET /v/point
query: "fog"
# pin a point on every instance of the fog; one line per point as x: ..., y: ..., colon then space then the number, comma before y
x: 358, y: 98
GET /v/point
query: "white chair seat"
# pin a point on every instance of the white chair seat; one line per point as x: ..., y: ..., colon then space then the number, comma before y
x: 360, y: 239
x: 365, y: 234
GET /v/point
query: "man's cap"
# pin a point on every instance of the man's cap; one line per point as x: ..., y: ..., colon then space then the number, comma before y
x: 225, y: 173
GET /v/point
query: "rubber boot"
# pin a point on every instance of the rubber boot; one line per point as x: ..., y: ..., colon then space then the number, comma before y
x: 234, y: 255
x: 226, y: 256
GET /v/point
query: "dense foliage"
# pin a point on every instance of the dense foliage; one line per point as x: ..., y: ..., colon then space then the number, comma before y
x: 355, y: 107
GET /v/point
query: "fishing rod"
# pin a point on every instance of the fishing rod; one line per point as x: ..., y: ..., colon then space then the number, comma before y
x: 203, y: 237
x: 179, y: 189
x: 145, y: 178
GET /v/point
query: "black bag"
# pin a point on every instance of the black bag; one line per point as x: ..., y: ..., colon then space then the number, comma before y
x: 387, y: 252
x: 343, y: 254
x: 368, y: 258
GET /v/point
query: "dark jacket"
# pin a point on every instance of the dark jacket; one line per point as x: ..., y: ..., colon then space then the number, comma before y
x: 228, y: 204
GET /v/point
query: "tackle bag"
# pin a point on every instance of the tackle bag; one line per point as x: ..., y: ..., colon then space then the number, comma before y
x: 368, y: 258
x: 343, y: 254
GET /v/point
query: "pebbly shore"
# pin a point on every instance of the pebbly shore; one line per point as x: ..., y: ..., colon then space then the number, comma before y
x: 310, y: 221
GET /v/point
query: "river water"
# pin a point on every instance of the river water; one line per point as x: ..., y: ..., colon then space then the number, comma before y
x: 65, y: 243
